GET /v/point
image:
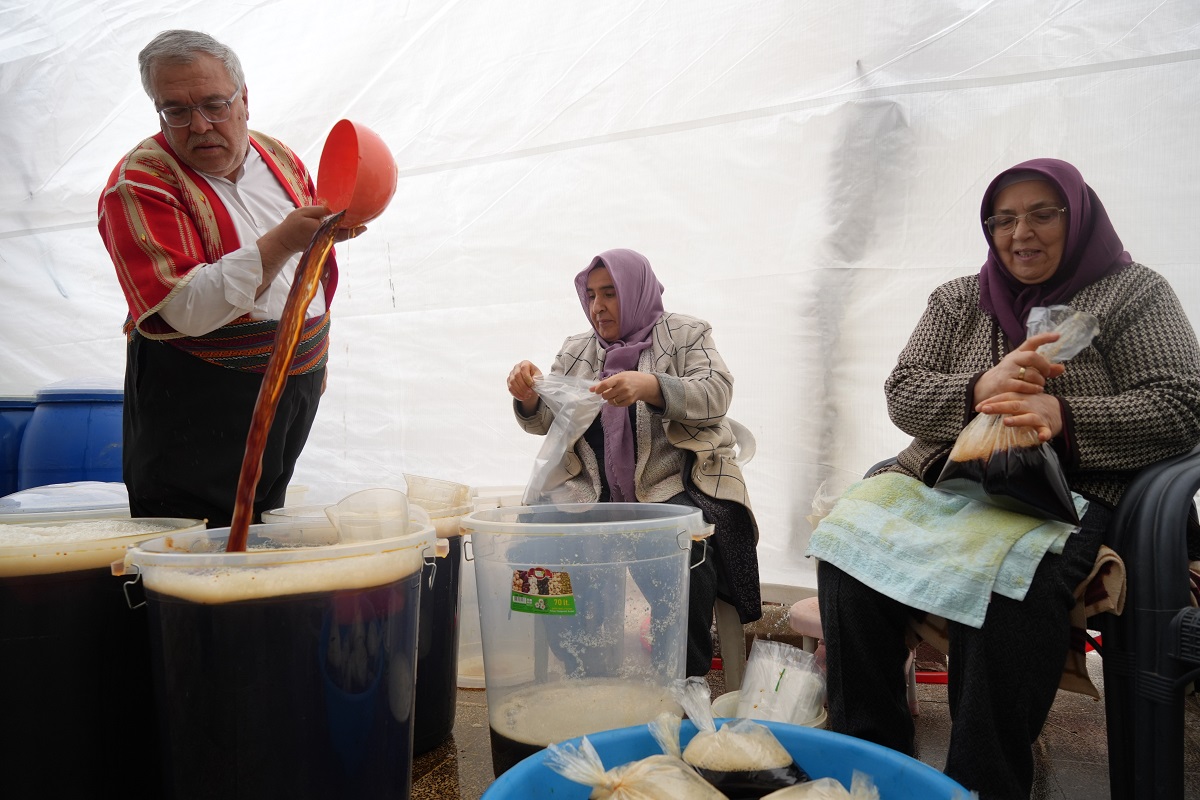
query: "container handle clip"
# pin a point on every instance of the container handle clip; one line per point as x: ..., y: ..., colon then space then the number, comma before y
x: 137, y: 578
x: 430, y: 561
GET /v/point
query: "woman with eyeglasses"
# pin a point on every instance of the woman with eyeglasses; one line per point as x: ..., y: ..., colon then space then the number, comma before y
x: 1129, y: 399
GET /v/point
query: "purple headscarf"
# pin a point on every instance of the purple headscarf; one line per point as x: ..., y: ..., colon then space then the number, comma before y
x: 1091, y: 251
x: 639, y: 295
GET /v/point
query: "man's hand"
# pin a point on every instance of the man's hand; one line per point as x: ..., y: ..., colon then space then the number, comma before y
x: 286, y: 239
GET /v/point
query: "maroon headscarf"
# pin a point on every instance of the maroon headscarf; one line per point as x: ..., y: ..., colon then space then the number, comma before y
x: 639, y: 295
x: 1091, y: 251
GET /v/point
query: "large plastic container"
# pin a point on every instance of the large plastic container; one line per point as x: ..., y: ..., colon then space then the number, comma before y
x: 73, y: 435
x: 287, y: 670
x: 583, y: 610
x: 437, y: 644
x: 470, y: 637
x: 74, y: 659
x: 15, y: 413
x: 822, y: 754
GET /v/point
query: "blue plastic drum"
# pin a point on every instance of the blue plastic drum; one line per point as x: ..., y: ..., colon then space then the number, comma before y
x: 74, y: 434
x: 15, y: 413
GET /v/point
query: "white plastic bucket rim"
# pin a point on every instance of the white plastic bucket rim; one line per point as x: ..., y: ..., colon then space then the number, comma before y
x: 302, y: 544
x: 620, y: 518
x: 100, y: 552
x: 318, y: 515
x: 434, y: 494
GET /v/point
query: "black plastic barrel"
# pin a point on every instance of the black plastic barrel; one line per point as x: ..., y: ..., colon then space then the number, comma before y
x: 437, y: 650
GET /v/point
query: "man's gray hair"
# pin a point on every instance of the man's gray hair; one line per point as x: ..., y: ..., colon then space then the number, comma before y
x: 181, y: 47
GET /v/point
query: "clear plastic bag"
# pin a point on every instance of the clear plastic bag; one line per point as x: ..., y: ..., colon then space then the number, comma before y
x: 782, y: 683
x: 1010, y: 467
x: 574, y: 407
x: 742, y: 758
x: 658, y: 777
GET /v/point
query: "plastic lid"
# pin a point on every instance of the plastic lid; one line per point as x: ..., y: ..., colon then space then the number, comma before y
x: 74, y: 389
x: 67, y: 498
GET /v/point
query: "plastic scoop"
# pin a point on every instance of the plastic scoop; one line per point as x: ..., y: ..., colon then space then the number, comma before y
x: 370, y: 514
x: 377, y: 514
x: 357, y: 173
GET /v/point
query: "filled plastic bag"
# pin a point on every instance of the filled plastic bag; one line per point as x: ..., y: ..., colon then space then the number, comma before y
x: 1010, y: 467
x: 782, y: 683
x: 742, y: 759
x: 861, y: 788
x: 658, y: 777
x: 574, y: 407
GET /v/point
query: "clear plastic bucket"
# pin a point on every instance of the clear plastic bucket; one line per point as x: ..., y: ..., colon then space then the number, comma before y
x: 470, y: 638
x: 434, y: 494
x: 74, y: 660
x: 287, y: 670
x: 583, y: 610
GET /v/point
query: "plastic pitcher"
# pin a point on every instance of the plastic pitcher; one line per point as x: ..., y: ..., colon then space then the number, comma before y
x: 583, y: 610
x: 74, y: 660
x: 287, y: 670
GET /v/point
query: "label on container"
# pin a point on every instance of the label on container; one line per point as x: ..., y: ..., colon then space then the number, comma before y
x: 538, y: 590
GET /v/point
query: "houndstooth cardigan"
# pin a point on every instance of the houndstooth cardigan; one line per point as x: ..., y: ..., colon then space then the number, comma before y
x: 696, y: 388
x: 1130, y: 399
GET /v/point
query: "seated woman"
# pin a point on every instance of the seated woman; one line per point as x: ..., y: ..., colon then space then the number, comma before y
x: 1130, y: 399
x: 661, y: 436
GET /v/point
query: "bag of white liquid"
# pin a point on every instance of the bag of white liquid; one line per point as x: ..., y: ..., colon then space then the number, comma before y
x: 659, y: 777
x: 742, y: 759
x: 782, y: 683
x: 861, y: 788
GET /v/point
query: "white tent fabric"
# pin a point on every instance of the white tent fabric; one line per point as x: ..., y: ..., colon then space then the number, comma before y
x: 801, y: 174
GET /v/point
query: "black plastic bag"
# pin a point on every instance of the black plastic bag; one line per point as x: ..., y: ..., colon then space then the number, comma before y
x: 1010, y: 467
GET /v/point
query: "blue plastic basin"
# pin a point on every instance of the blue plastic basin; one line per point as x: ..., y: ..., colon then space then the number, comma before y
x: 818, y: 752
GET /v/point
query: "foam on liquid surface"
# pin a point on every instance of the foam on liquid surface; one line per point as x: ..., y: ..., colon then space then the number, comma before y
x: 554, y: 712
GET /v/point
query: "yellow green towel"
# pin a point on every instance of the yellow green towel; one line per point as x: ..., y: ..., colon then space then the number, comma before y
x: 935, y: 551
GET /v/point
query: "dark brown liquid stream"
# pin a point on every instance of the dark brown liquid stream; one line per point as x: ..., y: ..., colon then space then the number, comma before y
x: 304, y: 287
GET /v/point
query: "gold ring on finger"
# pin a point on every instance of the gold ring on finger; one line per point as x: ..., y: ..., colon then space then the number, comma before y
x: 1021, y: 374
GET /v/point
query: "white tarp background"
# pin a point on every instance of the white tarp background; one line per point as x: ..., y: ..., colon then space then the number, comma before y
x: 802, y: 174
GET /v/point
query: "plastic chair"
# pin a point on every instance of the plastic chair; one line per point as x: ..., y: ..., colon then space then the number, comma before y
x: 1151, y: 652
x: 730, y: 632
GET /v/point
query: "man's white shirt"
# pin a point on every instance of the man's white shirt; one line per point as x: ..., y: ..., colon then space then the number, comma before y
x: 222, y: 291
